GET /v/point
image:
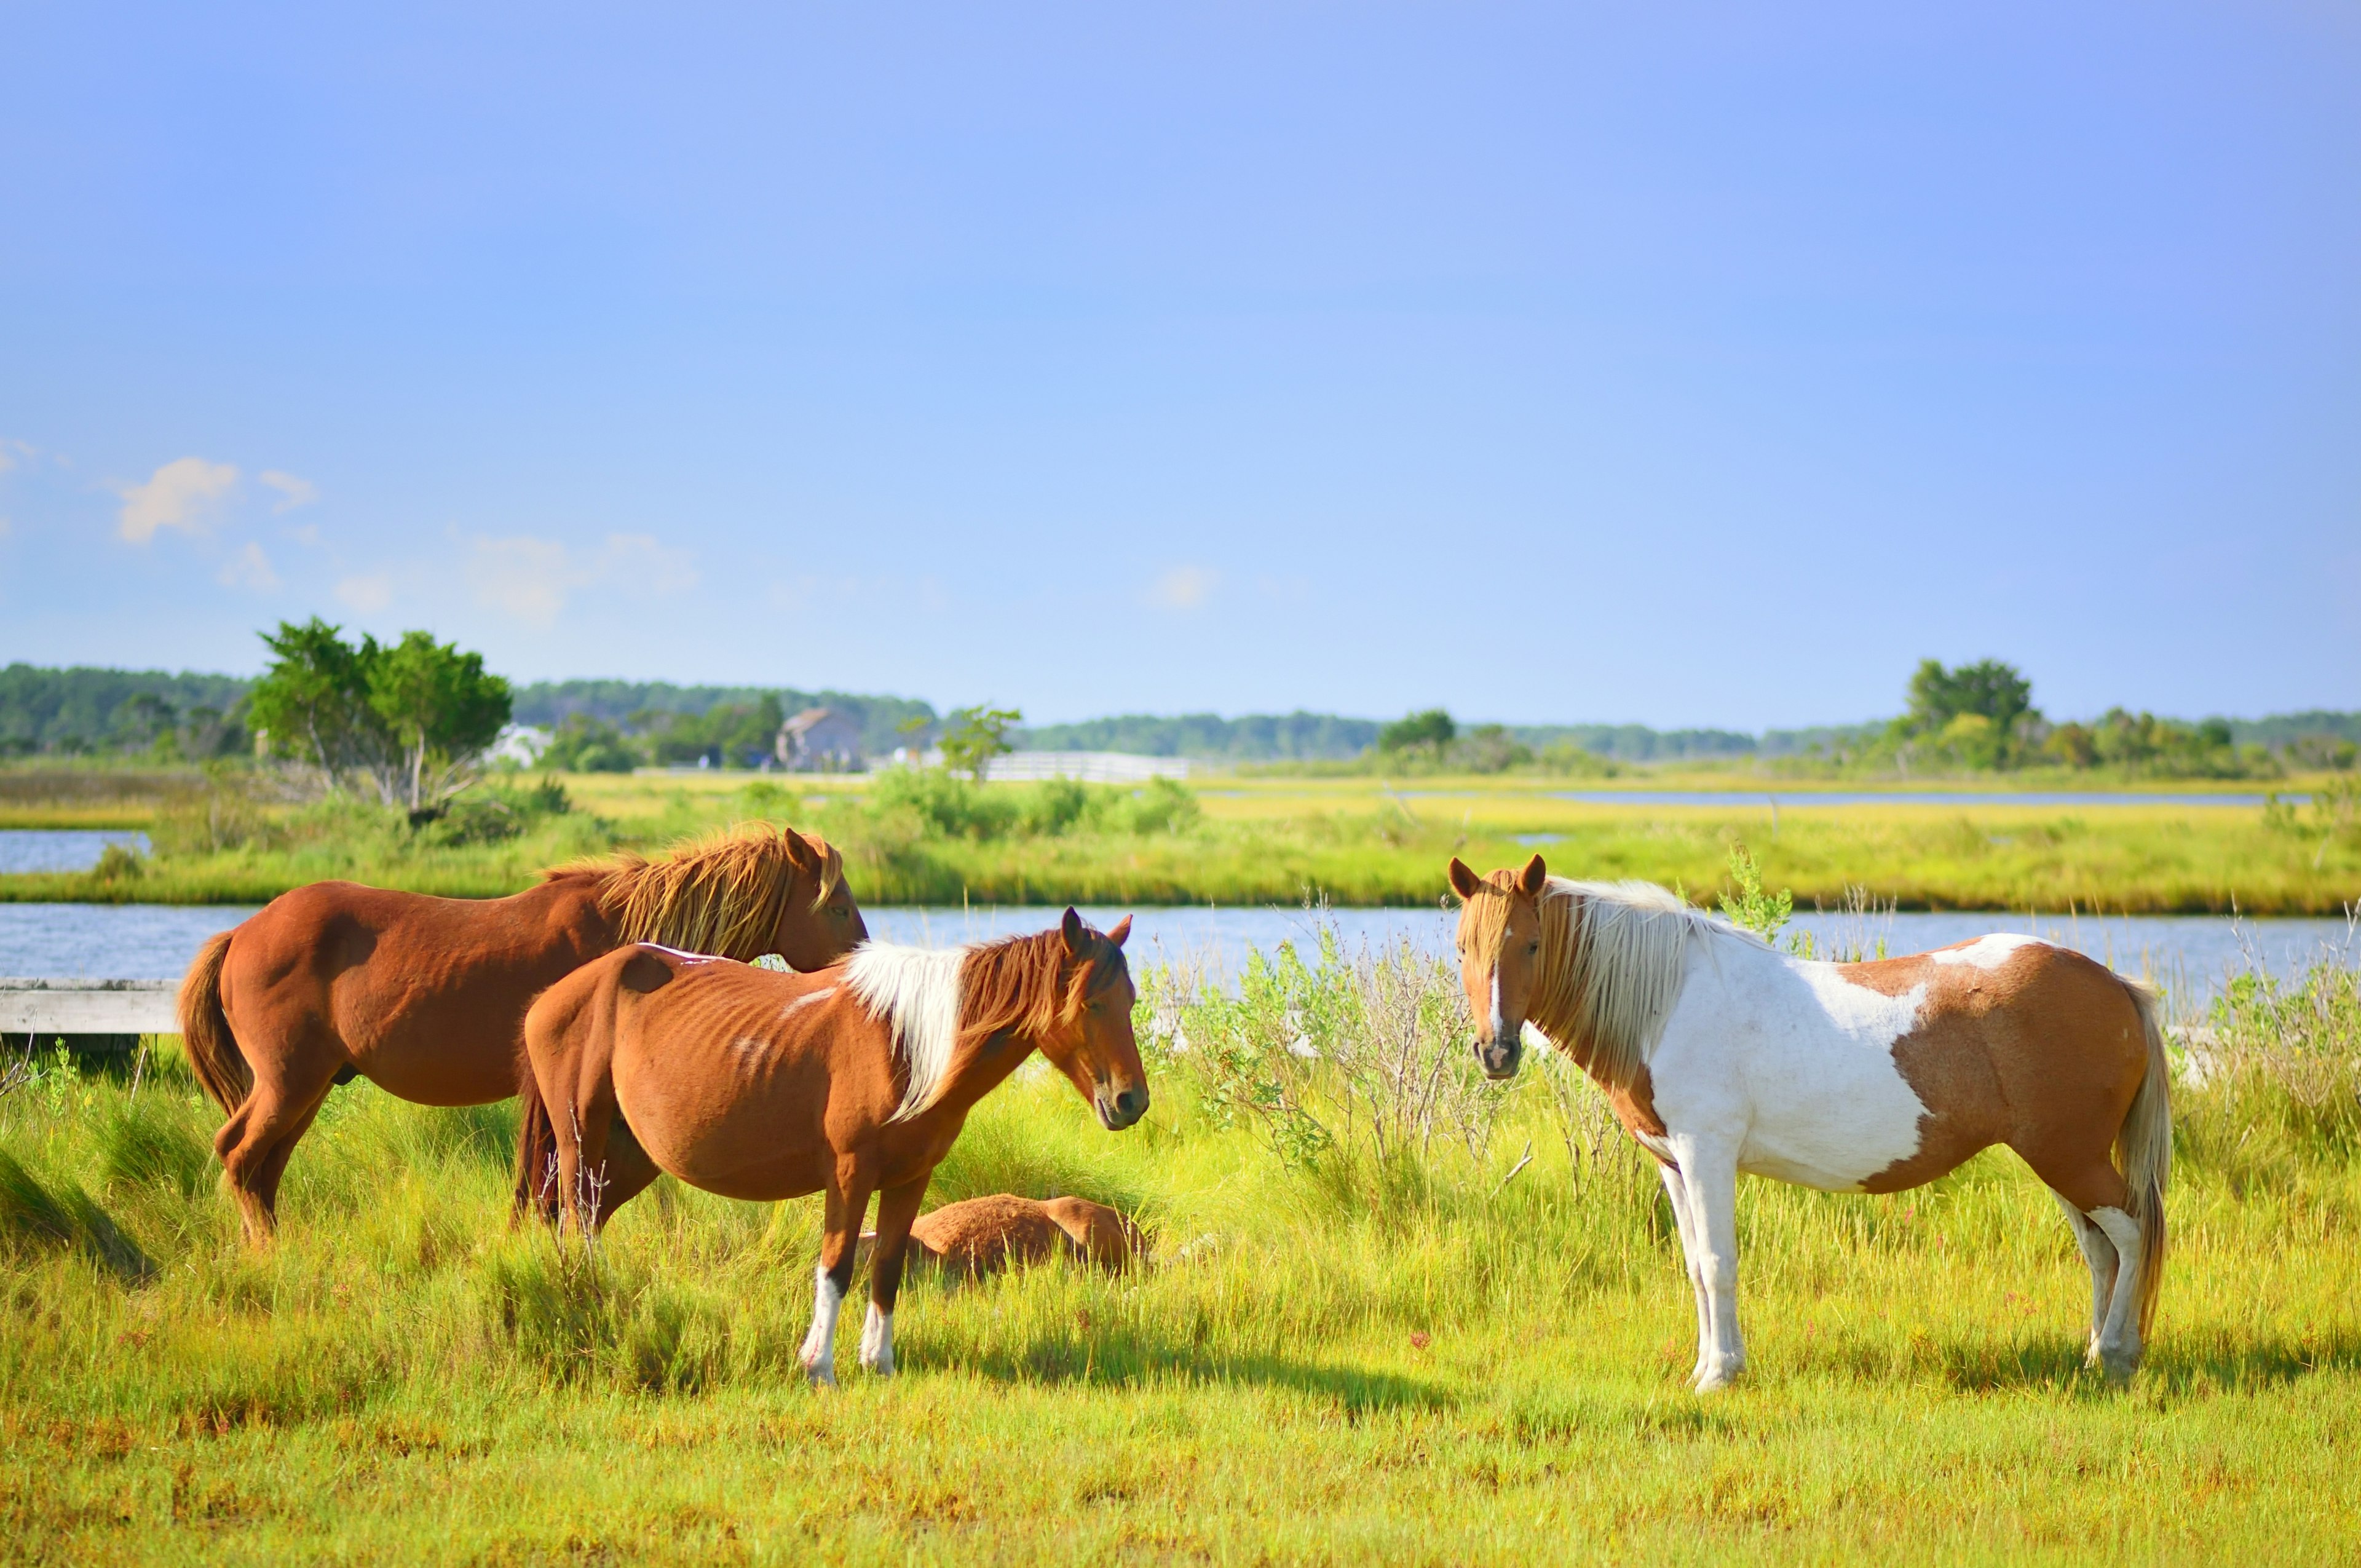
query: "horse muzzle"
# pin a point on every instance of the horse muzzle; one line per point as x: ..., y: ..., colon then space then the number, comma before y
x: 1121, y: 1111
x: 1499, y: 1059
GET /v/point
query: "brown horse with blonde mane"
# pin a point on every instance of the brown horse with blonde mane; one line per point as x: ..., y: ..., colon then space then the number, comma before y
x: 426, y: 997
x: 851, y: 1081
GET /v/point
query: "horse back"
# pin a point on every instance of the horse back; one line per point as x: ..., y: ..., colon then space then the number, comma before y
x: 424, y: 995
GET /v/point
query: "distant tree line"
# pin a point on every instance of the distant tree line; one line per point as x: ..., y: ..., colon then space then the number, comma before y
x: 85, y: 711
x: 1255, y: 738
x: 1970, y: 716
x: 614, y: 726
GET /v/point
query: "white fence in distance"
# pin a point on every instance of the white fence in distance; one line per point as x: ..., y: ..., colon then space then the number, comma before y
x: 1089, y: 767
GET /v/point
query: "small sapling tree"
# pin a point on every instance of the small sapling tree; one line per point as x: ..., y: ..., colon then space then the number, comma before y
x: 975, y: 736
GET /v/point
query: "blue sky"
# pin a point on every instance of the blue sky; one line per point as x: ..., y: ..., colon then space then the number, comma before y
x: 1684, y: 364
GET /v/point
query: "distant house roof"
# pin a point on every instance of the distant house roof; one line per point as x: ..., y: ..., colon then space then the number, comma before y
x: 819, y: 733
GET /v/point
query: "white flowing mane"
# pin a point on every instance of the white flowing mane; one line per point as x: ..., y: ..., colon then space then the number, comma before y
x: 1613, y: 960
x: 915, y: 992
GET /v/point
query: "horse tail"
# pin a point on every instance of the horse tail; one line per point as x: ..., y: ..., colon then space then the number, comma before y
x: 205, y: 1036
x: 536, y: 1164
x: 2145, y: 1147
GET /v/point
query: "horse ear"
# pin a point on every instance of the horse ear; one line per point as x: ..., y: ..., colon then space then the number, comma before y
x: 1464, y: 881
x: 800, y: 853
x: 1071, y: 928
x: 1121, y: 930
x: 1531, y: 880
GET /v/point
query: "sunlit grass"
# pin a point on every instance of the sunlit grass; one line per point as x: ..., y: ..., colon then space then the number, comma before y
x: 1478, y: 1367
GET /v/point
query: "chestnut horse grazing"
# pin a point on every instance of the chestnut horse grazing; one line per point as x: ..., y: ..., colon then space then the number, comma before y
x: 426, y: 996
x: 853, y: 1081
x: 1720, y: 1055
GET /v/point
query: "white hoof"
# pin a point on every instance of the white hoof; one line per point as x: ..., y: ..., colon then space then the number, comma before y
x: 1714, y: 1376
x: 819, y: 1374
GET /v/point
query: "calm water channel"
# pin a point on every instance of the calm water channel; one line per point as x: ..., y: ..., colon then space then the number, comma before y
x: 2189, y: 954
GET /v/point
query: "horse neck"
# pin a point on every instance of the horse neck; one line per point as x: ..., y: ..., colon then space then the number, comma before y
x: 576, y: 894
x: 979, y: 1071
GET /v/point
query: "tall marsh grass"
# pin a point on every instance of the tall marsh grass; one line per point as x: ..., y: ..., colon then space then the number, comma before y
x: 1398, y: 1313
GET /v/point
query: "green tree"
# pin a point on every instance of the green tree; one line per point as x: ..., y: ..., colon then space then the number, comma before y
x: 973, y: 736
x: 1431, y: 728
x: 312, y: 703
x: 440, y: 707
x: 1994, y: 690
x: 409, y: 719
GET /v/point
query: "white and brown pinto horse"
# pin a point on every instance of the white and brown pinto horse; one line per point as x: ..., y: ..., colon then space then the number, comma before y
x: 850, y: 1081
x: 1720, y: 1055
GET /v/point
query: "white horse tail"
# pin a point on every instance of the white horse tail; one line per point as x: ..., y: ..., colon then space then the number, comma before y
x: 2145, y: 1147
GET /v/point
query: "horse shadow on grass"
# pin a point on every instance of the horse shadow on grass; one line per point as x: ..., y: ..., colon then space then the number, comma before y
x: 1134, y: 1361
x: 2177, y: 1365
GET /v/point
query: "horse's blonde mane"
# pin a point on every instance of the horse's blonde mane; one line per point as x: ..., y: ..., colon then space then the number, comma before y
x: 1610, y: 964
x: 724, y: 894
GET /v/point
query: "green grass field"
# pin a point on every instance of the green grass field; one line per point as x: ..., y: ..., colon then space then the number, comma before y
x: 1364, y: 1341
x: 1353, y: 841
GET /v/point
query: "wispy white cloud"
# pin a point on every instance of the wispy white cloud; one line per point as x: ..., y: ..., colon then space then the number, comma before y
x: 249, y: 568
x: 14, y: 452
x: 636, y: 561
x: 303, y: 533
x: 1184, y: 588
x: 292, y: 492
x: 367, y: 593
x: 179, y: 495
x: 531, y: 579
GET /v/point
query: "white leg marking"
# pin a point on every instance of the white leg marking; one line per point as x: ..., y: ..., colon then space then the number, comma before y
x: 877, y: 1341
x: 1677, y: 1191
x: 2119, y: 1345
x: 1711, y: 1177
x: 2099, y: 1253
x: 819, y: 1345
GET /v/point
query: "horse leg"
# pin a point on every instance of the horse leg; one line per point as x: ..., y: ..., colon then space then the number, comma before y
x: 847, y: 1202
x: 2095, y: 1189
x: 1677, y: 1191
x: 1710, y: 1178
x: 255, y: 1141
x: 2118, y: 1346
x: 897, y: 1208
x: 2100, y: 1253
x: 627, y: 1172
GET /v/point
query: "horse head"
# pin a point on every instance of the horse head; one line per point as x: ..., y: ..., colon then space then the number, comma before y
x: 819, y: 925
x: 1499, y: 956
x: 1092, y: 1043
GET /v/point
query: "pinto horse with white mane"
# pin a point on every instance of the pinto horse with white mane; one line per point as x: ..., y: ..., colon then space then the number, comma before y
x: 425, y: 997
x: 1721, y: 1055
x: 851, y: 1081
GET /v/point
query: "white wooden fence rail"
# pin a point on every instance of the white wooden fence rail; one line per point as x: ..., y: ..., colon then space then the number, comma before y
x: 75, y: 1007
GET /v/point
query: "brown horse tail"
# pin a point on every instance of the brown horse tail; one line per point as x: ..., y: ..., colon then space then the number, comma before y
x: 212, y: 1051
x: 2145, y: 1147
x: 536, y: 1165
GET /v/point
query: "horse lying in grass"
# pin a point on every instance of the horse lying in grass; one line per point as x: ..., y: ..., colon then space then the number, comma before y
x: 985, y: 1235
x: 426, y: 997
x: 851, y: 1081
x: 1720, y: 1055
